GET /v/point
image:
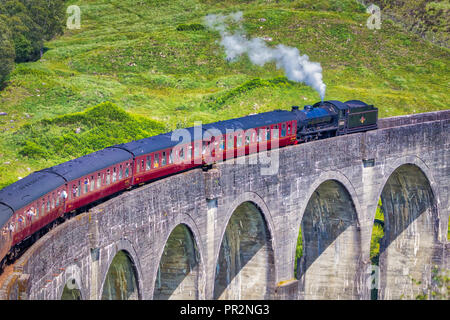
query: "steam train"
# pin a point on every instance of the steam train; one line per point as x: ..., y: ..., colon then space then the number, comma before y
x: 30, y: 206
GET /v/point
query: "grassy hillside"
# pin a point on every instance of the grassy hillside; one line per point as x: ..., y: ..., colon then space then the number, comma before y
x: 430, y: 19
x: 157, y: 78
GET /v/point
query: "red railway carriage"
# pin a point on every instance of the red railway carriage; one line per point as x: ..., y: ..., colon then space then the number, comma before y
x: 158, y: 156
x: 94, y: 176
x: 32, y: 203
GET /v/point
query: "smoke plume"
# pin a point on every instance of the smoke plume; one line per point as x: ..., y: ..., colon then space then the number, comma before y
x: 297, y: 67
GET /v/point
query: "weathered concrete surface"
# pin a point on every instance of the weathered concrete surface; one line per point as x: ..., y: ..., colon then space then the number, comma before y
x: 178, y: 271
x: 245, y: 268
x: 323, y: 186
x: 331, y: 241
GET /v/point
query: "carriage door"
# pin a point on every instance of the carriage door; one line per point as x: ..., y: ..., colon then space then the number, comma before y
x: 341, y: 122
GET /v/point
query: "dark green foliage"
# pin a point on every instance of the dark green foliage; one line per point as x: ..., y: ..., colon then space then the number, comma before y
x: 190, y: 27
x: 31, y: 23
x: 7, y: 52
x: 32, y: 150
x: 49, y: 15
x: 98, y: 127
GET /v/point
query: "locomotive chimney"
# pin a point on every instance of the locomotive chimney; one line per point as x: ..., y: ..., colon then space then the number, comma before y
x: 294, y: 108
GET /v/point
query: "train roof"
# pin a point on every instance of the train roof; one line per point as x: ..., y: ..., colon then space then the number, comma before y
x: 147, y: 145
x: 89, y: 163
x: 164, y: 141
x: 32, y: 187
x: 5, y: 213
x: 254, y: 121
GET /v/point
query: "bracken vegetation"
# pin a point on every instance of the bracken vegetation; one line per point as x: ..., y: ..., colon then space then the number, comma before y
x: 430, y: 19
x: 158, y: 69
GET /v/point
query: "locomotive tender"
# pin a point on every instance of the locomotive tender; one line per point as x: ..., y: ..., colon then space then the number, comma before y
x: 29, y: 206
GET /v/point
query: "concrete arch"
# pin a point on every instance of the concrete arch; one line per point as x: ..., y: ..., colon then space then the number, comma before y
x: 260, y: 203
x: 343, y: 180
x: 187, y: 220
x: 413, y: 160
x: 180, y: 253
x: 123, y: 245
x: 412, y: 224
x: 245, y: 258
x: 72, y: 278
x: 331, y: 235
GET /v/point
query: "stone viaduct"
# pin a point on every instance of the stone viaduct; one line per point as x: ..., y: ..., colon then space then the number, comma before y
x: 231, y: 232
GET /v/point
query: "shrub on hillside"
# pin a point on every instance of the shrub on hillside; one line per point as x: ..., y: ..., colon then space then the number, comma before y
x: 190, y: 27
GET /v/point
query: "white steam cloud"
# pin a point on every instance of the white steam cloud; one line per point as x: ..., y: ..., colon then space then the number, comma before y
x: 297, y: 67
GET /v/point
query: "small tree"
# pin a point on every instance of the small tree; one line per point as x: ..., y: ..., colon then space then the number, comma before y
x: 7, y: 52
x: 32, y: 23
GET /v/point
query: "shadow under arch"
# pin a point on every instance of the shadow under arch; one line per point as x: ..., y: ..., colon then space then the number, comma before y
x: 179, y: 268
x: 410, y: 233
x: 121, y: 281
x: 245, y: 267
x: 331, y: 241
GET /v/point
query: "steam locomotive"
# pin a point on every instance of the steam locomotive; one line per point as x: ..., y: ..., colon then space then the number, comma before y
x: 30, y: 206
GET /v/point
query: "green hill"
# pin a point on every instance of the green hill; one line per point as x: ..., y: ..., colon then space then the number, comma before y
x: 159, y: 69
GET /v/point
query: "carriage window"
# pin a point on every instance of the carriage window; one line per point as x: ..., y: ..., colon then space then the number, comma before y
x: 92, y: 183
x: 260, y: 134
x: 222, y: 143
x: 283, y: 130
x: 163, y: 159
x: 108, y: 177
x: 127, y: 170
x: 57, y: 198
x: 138, y: 168
x: 48, y: 204
x: 239, y: 140
x: 148, y: 163
x: 86, y: 185
x: 37, y: 209
x: 114, y: 175
x: 52, y: 201
x: 142, y: 165
x: 275, y: 131
x: 79, y: 188
x: 43, y: 206
x: 230, y: 142
x: 156, y: 161
x: 196, y: 149
x: 247, y: 138
x: 267, y: 134
x: 120, y: 172
x: 188, y: 152
x: 289, y: 128
x: 182, y: 153
x: 99, y: 181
